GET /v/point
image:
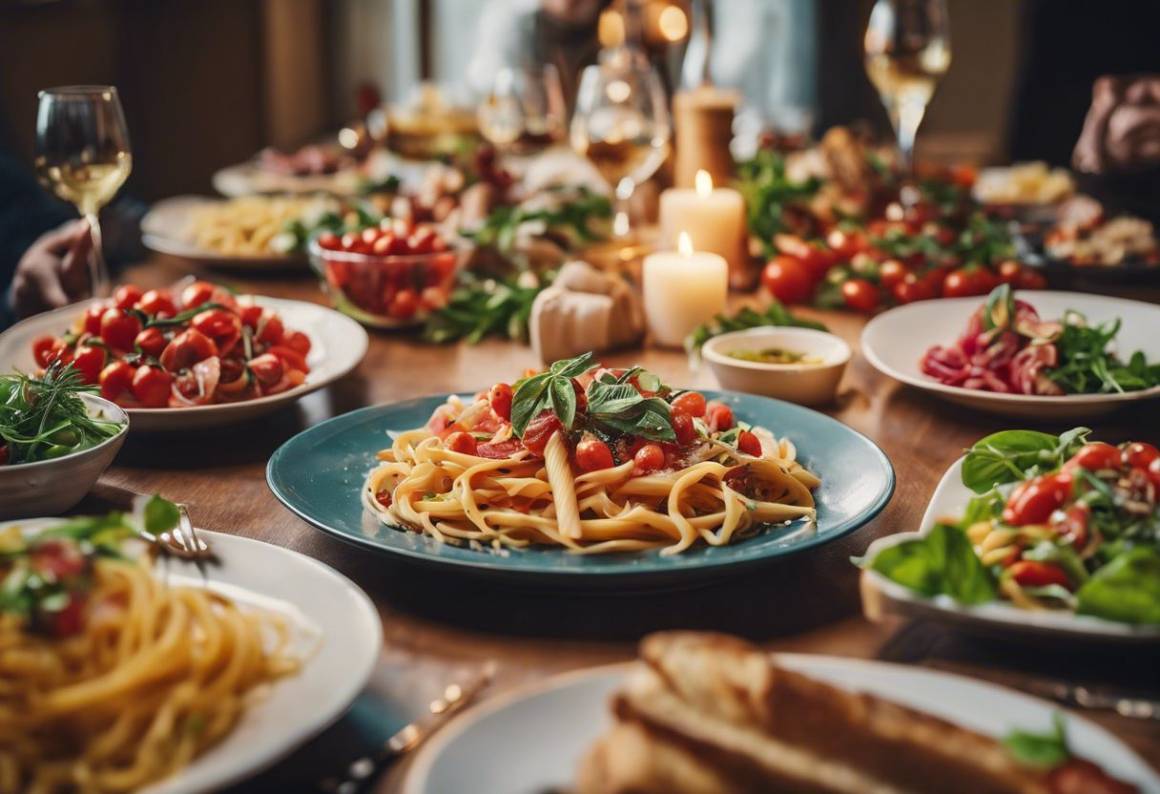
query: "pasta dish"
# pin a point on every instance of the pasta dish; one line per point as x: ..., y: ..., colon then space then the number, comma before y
x: 590, y: 459
x: 110, y: 678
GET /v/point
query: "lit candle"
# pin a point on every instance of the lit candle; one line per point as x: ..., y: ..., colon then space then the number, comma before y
x: 682, y: 289
x: 713, y: 217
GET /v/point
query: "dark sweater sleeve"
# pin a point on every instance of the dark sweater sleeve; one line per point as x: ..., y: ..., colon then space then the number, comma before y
x: 26, y: 212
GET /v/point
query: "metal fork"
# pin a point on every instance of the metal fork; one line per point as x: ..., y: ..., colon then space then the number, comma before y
x: 184, y: 543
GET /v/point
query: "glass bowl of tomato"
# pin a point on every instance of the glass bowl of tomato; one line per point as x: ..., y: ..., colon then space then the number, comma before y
x: 388, y: 276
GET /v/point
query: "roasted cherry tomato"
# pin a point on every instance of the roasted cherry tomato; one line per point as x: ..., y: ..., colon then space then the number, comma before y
x: 223, y: 327
x: 157, y: 303
x: 690, y: 403
x: 186, y: 349
x: 1140, y: 455
x: 683, y: 428
x: 1033, y: 501
x: 151, y: 341
x: 592, y: 454
x: 89, y: 361
x: 788, y: 279
x: 1033, y: 573
x: 116, y: 379
x: 969, y: 280
x: 718, y: 416
x: 461, y: 442
x: 539, y: 430
x: 649, y: 458
x: 500, y: 398
x: 1095, y: 456
x: 748, y: 443
x: 860, y: 294
x: 151, y: 386
x: 126, y: 296
x: 119, y: 329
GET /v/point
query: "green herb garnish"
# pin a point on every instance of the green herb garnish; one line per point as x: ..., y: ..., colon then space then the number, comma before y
x: 773, y: 314
x: 480, y: 307
x: 1040, y: 750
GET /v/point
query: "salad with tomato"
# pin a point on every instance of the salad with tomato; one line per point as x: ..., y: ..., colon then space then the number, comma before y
x: 177, y: 348
x: 1059, y: 522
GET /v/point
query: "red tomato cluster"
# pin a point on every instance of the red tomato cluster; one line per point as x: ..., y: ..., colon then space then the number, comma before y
x: 861, y: 277
x: 159, y: 349
x: 393, y: 270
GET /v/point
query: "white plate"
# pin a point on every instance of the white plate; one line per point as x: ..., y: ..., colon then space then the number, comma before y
x: 881, y: 595
x: 337, y: 345
x: 532, y: 741
x: 347, y: 637
x: 250, y: 178
x: 164, y: 230
x: 895, y: 341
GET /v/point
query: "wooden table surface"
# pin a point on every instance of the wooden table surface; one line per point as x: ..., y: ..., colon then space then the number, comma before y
x: 437, y: 626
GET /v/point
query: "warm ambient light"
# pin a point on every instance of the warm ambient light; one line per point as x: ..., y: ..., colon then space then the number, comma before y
x: 685, y: 244
x: 673, y: 23
x: 703, y: 182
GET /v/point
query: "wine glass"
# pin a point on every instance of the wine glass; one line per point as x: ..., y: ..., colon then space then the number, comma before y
x: 82, y: 155
x: 621, y: 123
x: 908, y: 49
x: 524, y: 111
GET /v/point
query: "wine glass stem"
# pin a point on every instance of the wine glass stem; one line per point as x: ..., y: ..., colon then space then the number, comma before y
x: 98, y: 270
x: 908, y: 117
x: 621, y: 224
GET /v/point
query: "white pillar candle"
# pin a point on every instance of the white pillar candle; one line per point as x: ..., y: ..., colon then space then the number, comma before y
x: 714, y: 219
x: 682, y: 289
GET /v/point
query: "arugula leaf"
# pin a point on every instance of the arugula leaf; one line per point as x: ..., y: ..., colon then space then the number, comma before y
x: 941, y: 562
x: 1087, y: 367
x: 1040, y: 750
x: 1012, y: 455
x: 1127, y: 589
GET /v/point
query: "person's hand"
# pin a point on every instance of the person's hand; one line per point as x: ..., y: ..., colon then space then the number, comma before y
x: 1122, y: 130
x: 53, y: 271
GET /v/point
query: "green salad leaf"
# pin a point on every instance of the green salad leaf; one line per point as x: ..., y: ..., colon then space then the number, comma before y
x: 1013, y: 455
x: 1040, y: 750
x: 1127, y: 589
x: 939, y: 562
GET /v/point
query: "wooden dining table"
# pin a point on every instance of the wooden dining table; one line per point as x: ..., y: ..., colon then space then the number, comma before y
x: 439, y: 627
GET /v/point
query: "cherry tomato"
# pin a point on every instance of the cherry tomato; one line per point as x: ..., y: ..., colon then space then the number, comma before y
x: 370, y: 235
x: 1095, y: 456
x: 1072, y: 523
x: 329, y: 241
x: 1033, y: 573
x: 592, y: 454
x: 92, y: 320
x: 788, y: 279
x: 690, y: 403
x: 1140, y: 455
x: 250, y: 315
x: 126, y: 296
x: 267, y: 368
x: 1033, y: 501
x: 119, y: 329
x: 914, y: 288
x: 813, y: 257
x: 270, y: 329
x: 291, y: 358
x: 683, y: 428
x: 89, y: 361
x: 498, y: 450
x: 196, y: 294
x: 891, y: 272
x: 115, y: 379
x: 157, y: 303
x: 1009, y: 272
x: 298, y: 341
x: 648, y: 458
x: 846, y: 243
x: 384, y: 498
x: 223, y: 327
x: 500, y: 398
x: 389, y: 245
x: 719, y: 416
x: 1154, y: 472
x: 404, y: 305
x: 539, y: 430
x: 151, y: 341
x: 46, y: 349
x: 186, y: 349
x: 969, y: 280
x: 861, y: 294
x: 151, y: 386
x: 748, y: 443
x: 460, y: 442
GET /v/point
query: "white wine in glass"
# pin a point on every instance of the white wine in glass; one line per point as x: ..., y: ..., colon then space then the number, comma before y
x: 524, y: 111
x: 908, y: 50
x: 83, y: 156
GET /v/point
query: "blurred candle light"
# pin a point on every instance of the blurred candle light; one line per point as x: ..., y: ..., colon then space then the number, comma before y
x: 713, y: 218
x: 682, y: 289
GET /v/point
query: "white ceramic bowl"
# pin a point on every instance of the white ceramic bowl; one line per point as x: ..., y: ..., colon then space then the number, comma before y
x: 49, y: 487
x: 807, y: 384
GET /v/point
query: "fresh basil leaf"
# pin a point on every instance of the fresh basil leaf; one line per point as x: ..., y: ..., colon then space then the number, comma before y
x: 941, y: 562
x: 563, y: 398
x: 161, y: 515
x: 528, y: 400
x: 609, y: 398
x: 982, y: 508
x: 1127, y: 589
x: 655, y: 425
x: 1007, y: 456
x: 1040, y: 750
x: 648, y: 381
x: 573, y: 367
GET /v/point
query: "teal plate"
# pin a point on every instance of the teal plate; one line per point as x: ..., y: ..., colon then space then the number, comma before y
x: 319, y: 475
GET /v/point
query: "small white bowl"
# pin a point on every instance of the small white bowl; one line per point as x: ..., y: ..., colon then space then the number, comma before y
x: 807, y: 384
x: 49, y: 487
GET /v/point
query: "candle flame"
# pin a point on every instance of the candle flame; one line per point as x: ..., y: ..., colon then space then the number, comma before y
x: 685, y: 243
x: 703, y: 183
